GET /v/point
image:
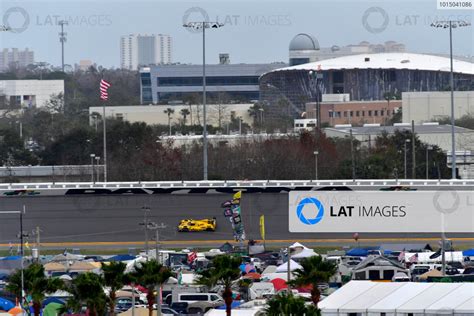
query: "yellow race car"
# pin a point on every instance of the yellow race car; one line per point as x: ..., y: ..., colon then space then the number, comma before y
x: 197, y: 225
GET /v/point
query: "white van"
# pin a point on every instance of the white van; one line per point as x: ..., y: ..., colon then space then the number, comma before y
x: 200, y: 297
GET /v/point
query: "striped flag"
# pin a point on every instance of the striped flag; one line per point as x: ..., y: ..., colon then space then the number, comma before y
x: 414, y: 258
x: 104, y: 86
x: 401, y: 256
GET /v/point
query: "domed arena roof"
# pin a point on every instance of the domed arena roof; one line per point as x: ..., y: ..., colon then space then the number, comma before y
x: 304, y: 41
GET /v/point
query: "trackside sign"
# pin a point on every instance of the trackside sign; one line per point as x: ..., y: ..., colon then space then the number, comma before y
x: 381, y: 212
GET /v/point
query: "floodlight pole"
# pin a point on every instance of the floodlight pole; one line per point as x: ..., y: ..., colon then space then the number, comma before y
x: 451, y: 24
x: 203, y: 25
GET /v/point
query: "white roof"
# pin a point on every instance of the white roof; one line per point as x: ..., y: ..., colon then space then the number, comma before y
x: 448, y: 303
x: 284, y: 266
x: 426, y: 298
x: 344, y: 295
x: 371, y: 296
x: 399, y: 297
x: 305, y: 253
x: 466, y: 307
x: 297, y: 245
x: 424, y: 257
x: 387, y: 61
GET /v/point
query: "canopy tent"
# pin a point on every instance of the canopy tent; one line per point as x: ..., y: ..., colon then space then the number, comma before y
x: 11, y: 258
x: 269, y: 269
x: 52, y: 309
x: 80, y: 266
x: 465, y: 308
x: 424, y: 257
x: 65, y: 257
x: 5, y: 304
x: 448, y: 303
x: 428, y: 297
x: 305, y: 253
x: 234, y: 304
x: 52, y: 300
x: 360, y: 252
x: 54, y: 266
x: 297, y: 245
x: 272, y: 276
x: 431, y: 273
x: 468, y: 253
x: 331, y: 304
x: 284, y: 267
x: 360, y: 303
x: 125, y: 257
x: 279, y: 284
x: 131, y: 264
x: 391, y: 302
x: 389, y: 248
x: 17, y: 310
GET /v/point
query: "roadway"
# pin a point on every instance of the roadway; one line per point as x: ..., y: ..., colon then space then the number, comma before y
x: 87, y: 221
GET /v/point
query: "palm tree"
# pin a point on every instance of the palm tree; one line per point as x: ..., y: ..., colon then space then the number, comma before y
x: 35, y: 285
x: 115, y: 278
x: 169, y: 111
x: 314, y: 270
x: 185, y: 113
x: 285, y: 304
x: 224, y: 270
x: 150, y: 274
x: 87, y: 290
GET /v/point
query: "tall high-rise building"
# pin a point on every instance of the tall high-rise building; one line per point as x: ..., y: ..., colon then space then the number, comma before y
x: 16, y: 57
x: 143, y: 50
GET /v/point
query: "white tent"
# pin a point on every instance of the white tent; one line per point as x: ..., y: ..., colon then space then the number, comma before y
x: 389, y: 304
x: 448, y: 303
x: 284, y: 267
x: 270, y: 269
x: 297, y: 245
x: 434, y: 293
x: 424, y: 257
x: 331, y: 304
x: 466, y: 308
x: 305, y: 253
x: 371, y: 296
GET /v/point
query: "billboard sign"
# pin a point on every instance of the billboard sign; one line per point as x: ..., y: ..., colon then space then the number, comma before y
x: 381, y: 212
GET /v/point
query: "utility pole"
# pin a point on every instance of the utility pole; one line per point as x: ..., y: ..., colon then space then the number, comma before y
x: 352, y: 156
x: 36, y: 233
x: 289, y: 267
x: 413, y: 151
x: 145, y: 224
x: 62, y: 39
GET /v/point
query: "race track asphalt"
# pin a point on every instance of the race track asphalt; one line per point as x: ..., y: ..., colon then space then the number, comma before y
x: 116, y: 218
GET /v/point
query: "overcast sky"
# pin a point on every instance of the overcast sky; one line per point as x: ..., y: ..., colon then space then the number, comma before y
x: 254, y: 32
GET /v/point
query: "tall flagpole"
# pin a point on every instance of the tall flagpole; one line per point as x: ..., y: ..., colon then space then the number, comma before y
x: 104, y: 120
x: 104, y: 86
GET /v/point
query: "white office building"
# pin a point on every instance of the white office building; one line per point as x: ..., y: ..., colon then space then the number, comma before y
x: 142, y: 50
x: 16, y: 94
x: 434, y: 105
x: 16, y: 57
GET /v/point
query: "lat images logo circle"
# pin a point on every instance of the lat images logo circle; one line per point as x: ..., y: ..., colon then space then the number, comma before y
x: 195, y: 14
x: 377, y: 28
x: 25, y: 17
x: 310, y: 221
